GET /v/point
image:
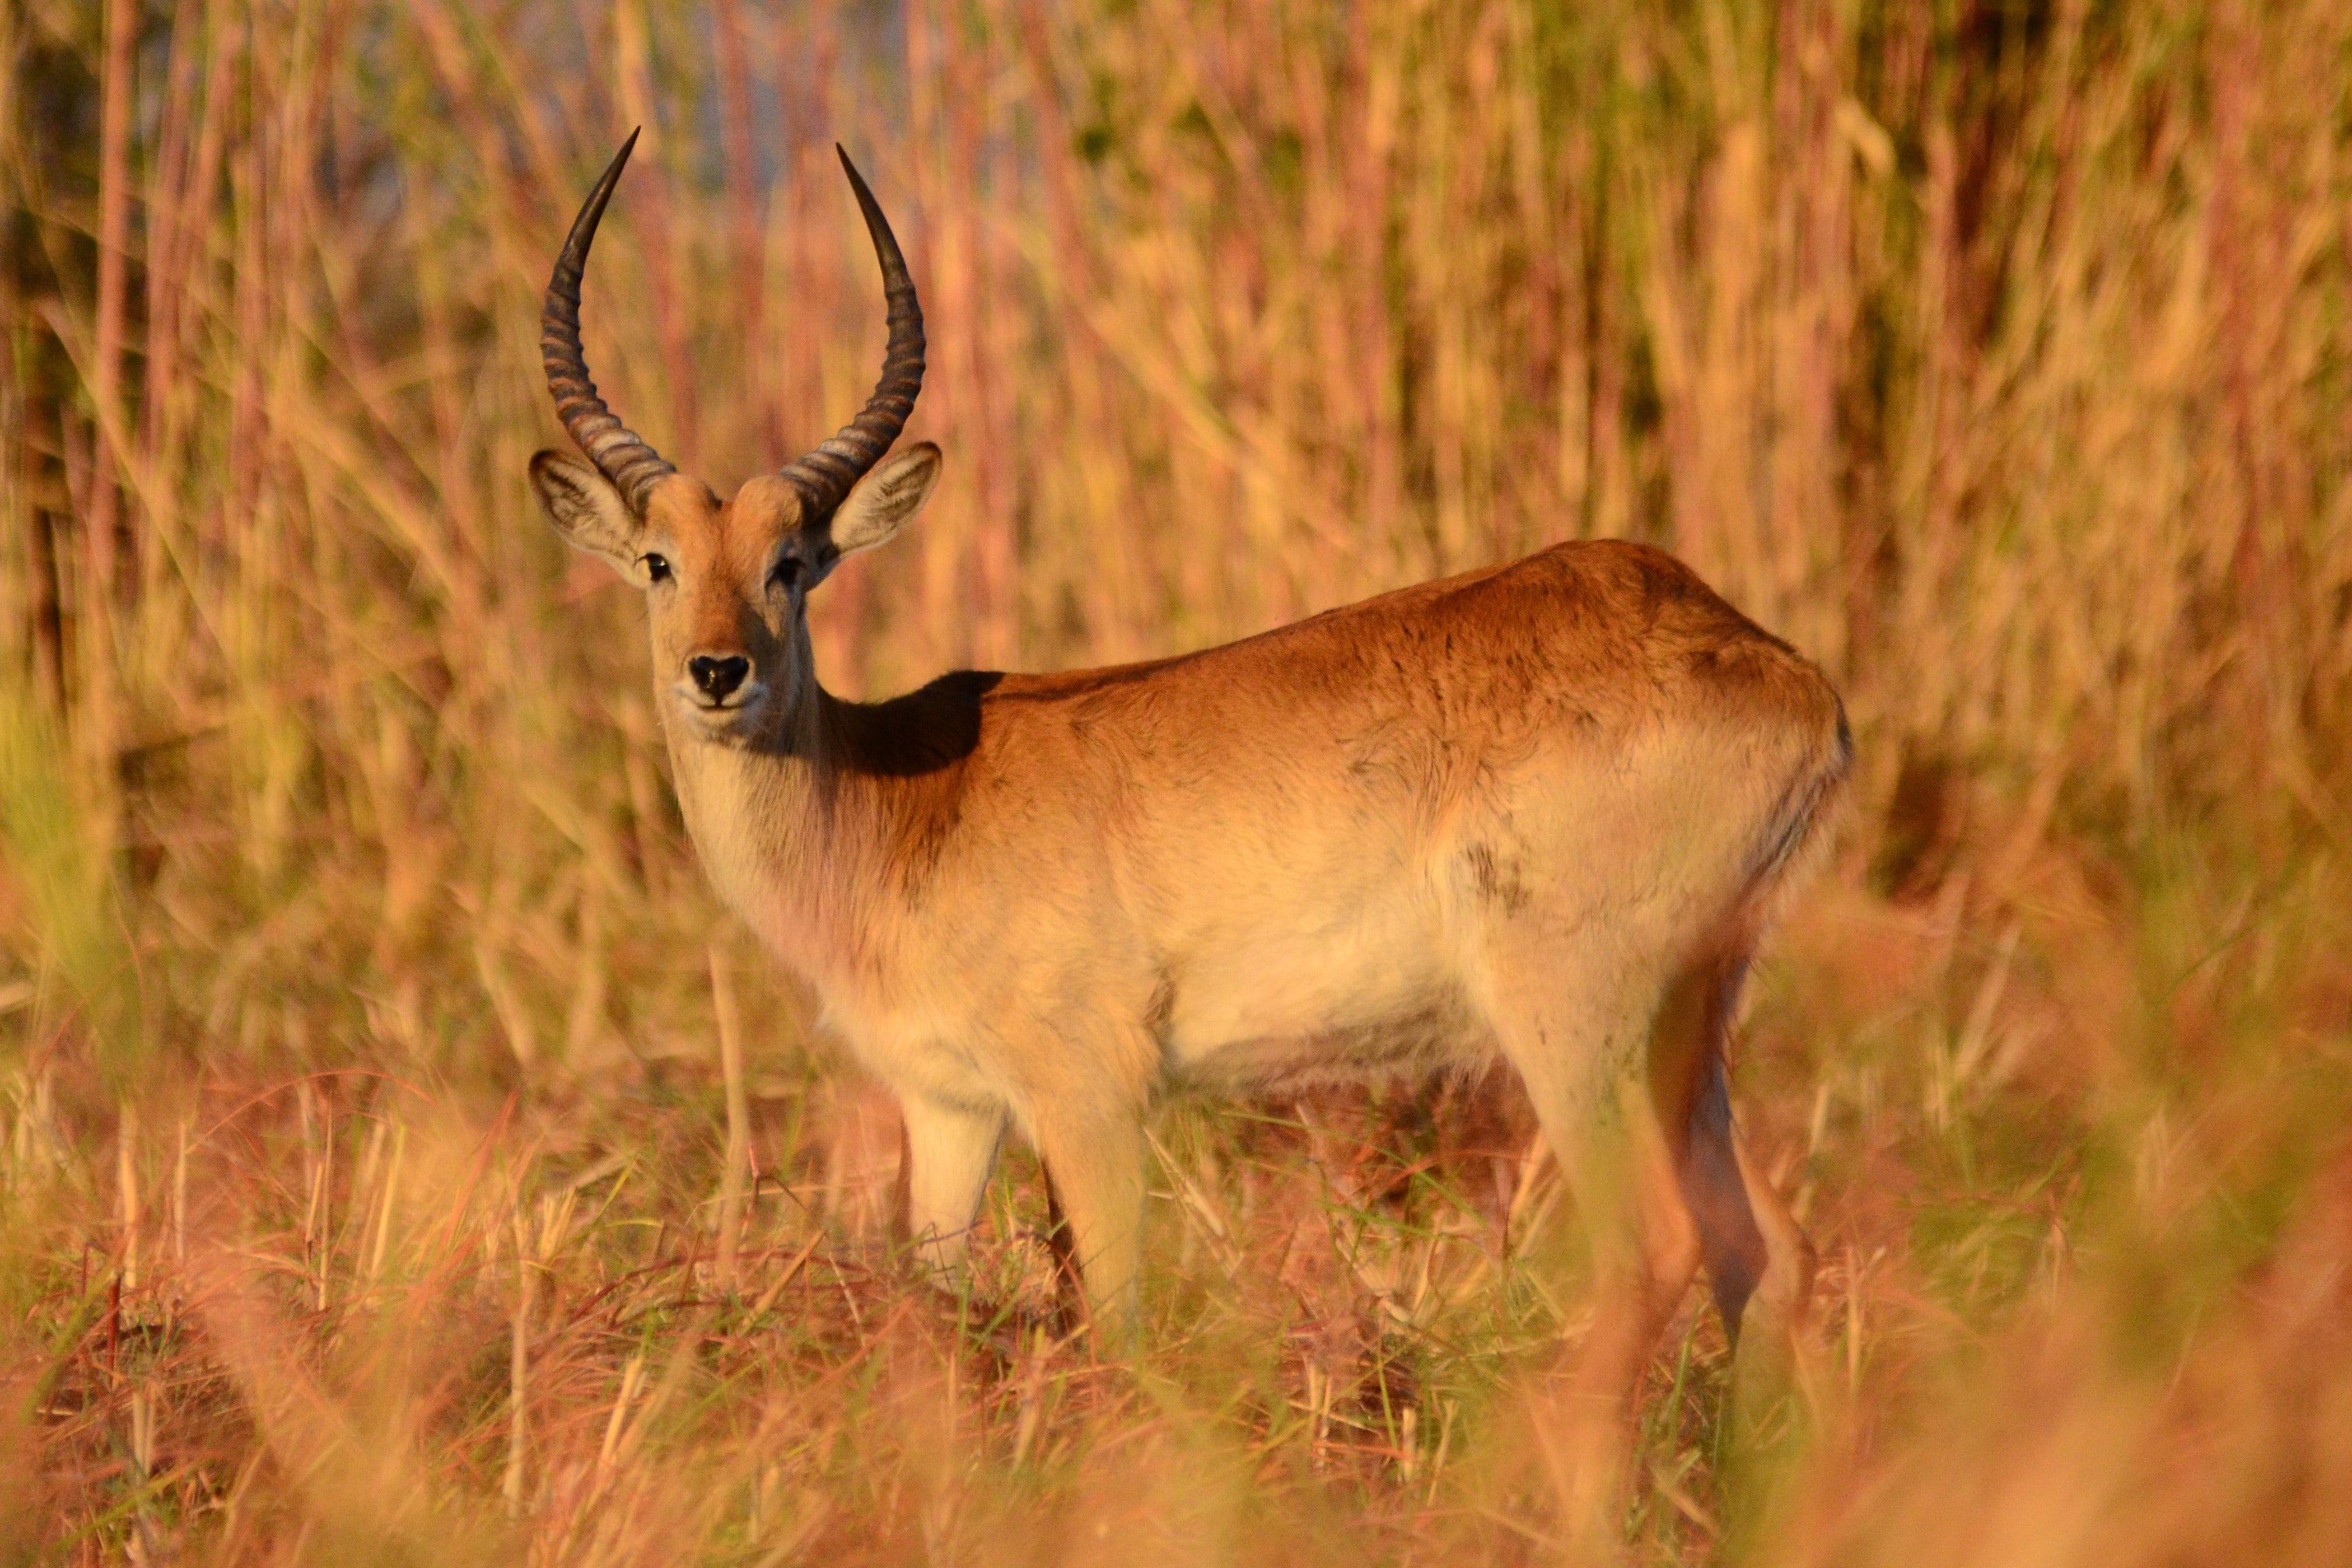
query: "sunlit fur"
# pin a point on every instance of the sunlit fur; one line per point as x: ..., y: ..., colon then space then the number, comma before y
x: 1535, y: 810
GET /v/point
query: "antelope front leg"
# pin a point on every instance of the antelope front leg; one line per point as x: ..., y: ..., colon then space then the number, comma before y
x: 951, y: 1149
x: 1095, y: 1160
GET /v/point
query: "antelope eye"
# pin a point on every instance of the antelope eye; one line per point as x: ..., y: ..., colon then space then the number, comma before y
x: 786, y: 572
x: 656, y: 567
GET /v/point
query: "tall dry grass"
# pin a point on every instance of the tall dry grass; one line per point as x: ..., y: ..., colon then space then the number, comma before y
x: 372, y: 1187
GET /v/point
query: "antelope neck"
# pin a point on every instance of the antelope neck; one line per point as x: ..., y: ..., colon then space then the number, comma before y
x: 793, y: 823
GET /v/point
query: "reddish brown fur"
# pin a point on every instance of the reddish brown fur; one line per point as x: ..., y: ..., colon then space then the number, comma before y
x: 1158, y: 806
x: 1535, y: 811
x: 1586, y: 640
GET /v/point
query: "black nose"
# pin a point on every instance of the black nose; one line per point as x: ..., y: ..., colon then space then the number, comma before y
x: 717, y: 678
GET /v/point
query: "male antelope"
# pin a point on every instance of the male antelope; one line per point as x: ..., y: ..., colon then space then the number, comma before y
x: 1537, y: 810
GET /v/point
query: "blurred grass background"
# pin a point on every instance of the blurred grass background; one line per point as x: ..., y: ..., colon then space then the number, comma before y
x: 372, y: 1189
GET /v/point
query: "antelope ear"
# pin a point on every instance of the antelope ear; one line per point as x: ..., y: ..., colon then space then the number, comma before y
x: 585, y: 509
x: 890, y: 493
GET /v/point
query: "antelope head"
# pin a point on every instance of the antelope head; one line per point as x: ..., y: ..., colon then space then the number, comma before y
x: 727, y: 582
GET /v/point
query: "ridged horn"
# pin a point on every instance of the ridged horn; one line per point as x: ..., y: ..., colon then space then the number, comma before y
x: 634, y: 467
x: 823, y: 477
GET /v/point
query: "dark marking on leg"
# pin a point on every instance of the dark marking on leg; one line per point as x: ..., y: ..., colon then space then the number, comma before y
x: 1069, y: 1287
x: 1729, y: 1241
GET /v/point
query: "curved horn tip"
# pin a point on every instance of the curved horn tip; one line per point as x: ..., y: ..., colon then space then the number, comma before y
x: 856, y: 181
x: 576, y: 244
x: 612, y: 176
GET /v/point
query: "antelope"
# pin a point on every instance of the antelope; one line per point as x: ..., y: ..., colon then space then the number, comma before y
x: 1538, y: 811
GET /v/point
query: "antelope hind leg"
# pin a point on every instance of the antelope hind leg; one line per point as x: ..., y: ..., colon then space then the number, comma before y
x: 1764, y: 1362
x: 1758, y: 1262
x: 1581, y: 1049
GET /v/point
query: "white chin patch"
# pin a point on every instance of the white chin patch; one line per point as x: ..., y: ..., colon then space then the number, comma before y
x: 718, y: 723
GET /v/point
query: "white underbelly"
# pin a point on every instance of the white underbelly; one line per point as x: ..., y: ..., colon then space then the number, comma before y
x: 1379, y: 994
